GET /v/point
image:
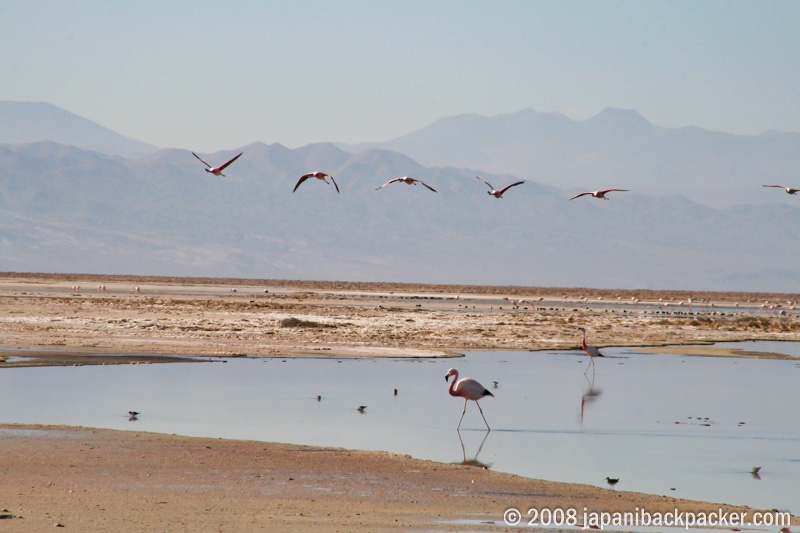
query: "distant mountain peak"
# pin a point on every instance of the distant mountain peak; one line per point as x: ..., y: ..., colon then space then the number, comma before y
x: 618, y: 114
x: 32, y: 122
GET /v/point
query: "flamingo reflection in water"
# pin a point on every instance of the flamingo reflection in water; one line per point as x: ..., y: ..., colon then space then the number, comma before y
x: 590, y: 395
x: 474, y: 460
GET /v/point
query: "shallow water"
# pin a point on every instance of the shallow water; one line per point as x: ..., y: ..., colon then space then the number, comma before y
x: 690, y: 427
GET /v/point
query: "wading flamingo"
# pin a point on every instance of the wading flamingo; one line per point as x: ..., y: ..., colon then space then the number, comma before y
x: 319, y: 176
x: 408, y: 180
x: 591, y: 351
x: 789, y: 190
x: 598, y: 194
x: 217, y: 171
x: 469, y: 389
x: 499, y: 194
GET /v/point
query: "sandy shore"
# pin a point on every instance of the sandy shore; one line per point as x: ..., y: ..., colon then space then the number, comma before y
x: 206, y: 317
x: 100, y: 480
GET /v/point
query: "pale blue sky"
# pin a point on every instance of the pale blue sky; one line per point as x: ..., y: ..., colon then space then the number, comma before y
x: 212, y: 75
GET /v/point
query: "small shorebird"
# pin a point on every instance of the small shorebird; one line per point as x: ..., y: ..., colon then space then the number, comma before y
x: 499, y: 194
x: 469, y: 389
x: 319, y: 176
x: 789, y: 190
x: 612, y: 481
x: 362, y: 408
x: 598, y: 194
x: 408, y: 180
x: 217, y: 171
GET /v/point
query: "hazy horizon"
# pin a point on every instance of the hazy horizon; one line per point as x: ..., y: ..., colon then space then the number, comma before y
x: 211, y: 75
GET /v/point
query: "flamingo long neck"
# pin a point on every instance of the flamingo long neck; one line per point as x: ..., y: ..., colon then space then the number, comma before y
x: 452, y: 388
x: 583, y: 343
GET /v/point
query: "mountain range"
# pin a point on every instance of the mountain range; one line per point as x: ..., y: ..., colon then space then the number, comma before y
x: 71, y: 208
x: 615, y: 148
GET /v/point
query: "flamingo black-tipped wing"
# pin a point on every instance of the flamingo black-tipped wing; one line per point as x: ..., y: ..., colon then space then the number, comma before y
x: 579, y: 195
x: 504, y: 189
x: 303, y: 178
x: 486, y: 182
x: 229, y: 161
x: 387, y: 183
x: 198, y: 157
x: 428, y: 186
x: 334, y: 183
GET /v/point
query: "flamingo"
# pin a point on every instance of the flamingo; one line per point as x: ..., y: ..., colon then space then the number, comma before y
x: 469, y: 389
x: 319, y: 175
x: 217, y: 171
x: 499, y: 194
x: 408, y: 180
x: 789, y: 190
x: 598, y: 194
x: 591, y: 351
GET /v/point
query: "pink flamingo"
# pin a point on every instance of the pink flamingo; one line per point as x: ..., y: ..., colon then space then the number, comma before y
x: 789, y: 190
x: 408, y: 180
x: 319, y: 176
x: 499, y: 194
x: 217, y: 171
x: 598, y: 194
x: 469, y: 389
x: 591, y: 351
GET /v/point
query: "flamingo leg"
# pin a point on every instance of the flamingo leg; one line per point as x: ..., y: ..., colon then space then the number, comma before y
x: 462, y: 414
x: 484, y: 418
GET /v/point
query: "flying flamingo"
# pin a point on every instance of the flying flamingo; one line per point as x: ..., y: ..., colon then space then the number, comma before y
x: 319, y: 176
x: 789, y: 190
x: 591, y: 351
x: 469, y: 389
x: 408, y: 181
x: 217, y: 171
x: 499, y: 194
x: 598, y: 194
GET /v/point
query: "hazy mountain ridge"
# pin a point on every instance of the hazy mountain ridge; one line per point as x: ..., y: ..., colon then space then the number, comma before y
x: 32, y: 122
x: 162, y: 214
x: 615, y: 148
x: 70, y: 209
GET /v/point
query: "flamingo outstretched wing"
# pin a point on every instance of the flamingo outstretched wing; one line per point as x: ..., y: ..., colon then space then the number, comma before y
x: 198, y: 157
x: 229, y: 161
x: 300, y: 181
x: 486, y: 182
x: 504, y: 189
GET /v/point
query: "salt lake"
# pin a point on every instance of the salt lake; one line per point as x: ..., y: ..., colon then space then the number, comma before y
x: 683, y: 426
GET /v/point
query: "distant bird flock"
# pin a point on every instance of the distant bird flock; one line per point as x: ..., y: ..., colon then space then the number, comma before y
x: 408, y: 180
